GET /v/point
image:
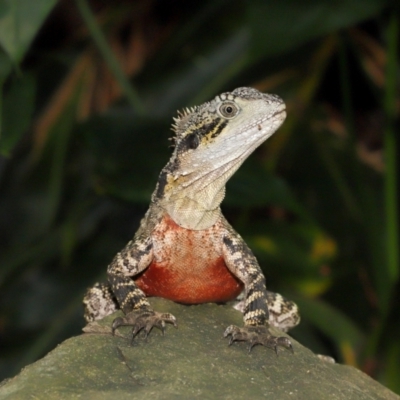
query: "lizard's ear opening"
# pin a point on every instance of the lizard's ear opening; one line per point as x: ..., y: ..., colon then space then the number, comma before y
x: 190, y: 141
x: 193, y: 141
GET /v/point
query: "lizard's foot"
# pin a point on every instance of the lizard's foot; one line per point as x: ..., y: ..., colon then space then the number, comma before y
x: 257, y: 335
x: 144, y: 320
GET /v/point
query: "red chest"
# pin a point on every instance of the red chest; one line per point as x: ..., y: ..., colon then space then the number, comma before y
x: 188, y: 266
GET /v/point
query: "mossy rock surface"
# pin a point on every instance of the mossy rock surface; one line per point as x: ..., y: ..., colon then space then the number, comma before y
x: 193, y: 361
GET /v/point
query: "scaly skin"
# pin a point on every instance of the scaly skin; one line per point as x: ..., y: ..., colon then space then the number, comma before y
x: 184, y: 249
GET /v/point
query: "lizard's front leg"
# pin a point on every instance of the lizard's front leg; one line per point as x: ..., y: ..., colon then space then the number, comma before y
x: 243, y: 264
x: 132, y: 260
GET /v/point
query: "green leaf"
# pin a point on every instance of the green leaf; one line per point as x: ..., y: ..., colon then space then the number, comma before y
x: 18, y: 106
x: 332, y: 322
x: 19, y: 22
x: 253, y: 186
x: 243, y: 33
x: 391, y: 374
x: 279, y: 26
x: 129, y: 153
x: 5, y: 66
x: 293, y: 255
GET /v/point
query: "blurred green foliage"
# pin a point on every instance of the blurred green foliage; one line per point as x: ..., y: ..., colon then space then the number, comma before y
x: 87, y: 100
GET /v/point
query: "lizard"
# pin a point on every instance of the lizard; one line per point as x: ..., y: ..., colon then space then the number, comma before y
x: 185, y: 250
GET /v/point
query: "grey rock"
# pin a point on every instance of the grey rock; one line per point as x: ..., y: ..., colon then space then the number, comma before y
x: 193, y: 361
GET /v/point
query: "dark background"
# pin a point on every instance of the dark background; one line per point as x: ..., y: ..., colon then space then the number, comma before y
x: 88, y: 95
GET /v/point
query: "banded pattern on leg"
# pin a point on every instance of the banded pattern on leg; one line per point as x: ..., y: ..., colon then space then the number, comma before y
x: 99, y: 302
x: 132, y: 260
x: 260, y: 307
x: 241, y: 262
x: 283, y: 313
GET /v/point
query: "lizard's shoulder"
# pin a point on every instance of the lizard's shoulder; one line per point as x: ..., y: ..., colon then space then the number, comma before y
x: 153, y: 217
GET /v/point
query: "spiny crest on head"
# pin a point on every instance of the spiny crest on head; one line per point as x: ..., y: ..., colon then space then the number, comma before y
x: 181, y: 115
x: 180, y: 120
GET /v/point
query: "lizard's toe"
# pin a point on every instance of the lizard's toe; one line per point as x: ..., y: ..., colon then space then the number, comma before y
x: 255, y: 335
x: 144, y: 320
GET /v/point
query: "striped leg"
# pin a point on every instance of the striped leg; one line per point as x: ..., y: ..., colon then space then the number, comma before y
x: 242, y: 263
x: 283, y: 313
x: 99, y: 302
x: 122, y: 292
x: 133, y: 259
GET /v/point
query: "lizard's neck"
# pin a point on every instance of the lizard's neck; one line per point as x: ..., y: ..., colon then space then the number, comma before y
x: 193, y: 202
x: 190, y: 212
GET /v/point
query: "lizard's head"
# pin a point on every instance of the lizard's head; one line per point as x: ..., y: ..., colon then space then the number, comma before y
x: 211, y: 142
x: 220, y: 134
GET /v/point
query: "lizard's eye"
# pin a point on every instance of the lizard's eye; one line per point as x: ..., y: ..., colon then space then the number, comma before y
x: 229, y: 109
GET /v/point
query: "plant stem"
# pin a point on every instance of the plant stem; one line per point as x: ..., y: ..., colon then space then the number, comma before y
x: 390, y: 188
x: 390, y: 139
x: 109, y: 57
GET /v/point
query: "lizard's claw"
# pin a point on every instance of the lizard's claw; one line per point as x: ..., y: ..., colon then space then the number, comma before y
x: 144, y: 320
x: 257, y: 335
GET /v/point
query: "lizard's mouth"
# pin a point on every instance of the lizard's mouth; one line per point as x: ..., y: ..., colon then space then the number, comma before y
x: 279, y: 112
